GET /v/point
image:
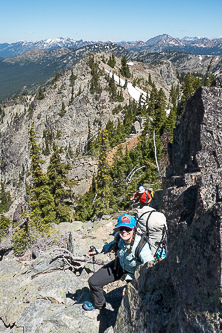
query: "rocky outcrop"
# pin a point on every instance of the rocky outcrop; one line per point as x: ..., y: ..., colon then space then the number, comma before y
x: 42, y: 292
x: 183, y: 292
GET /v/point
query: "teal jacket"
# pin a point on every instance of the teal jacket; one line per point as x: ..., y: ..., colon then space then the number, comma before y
x: 128, y: 261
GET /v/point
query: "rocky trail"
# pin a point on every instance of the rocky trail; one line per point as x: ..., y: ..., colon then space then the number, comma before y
x: 46, y: 294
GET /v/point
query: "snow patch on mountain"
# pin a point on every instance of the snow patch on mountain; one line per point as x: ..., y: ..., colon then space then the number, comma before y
x: 134, y: 92
x: 190, y: 38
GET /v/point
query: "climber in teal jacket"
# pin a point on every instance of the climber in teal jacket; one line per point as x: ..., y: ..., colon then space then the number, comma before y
x: 124, y: 266
x: 126, y: 254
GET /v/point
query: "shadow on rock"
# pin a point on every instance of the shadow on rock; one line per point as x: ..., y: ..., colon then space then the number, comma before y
x: 107, y: 316
x: 80, y: 296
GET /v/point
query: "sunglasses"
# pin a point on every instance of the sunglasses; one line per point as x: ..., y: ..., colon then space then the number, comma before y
x: 124, y: 229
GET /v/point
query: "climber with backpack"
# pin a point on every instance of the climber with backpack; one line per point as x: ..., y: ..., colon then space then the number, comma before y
x: 144, y: 196
x: 123, y: 266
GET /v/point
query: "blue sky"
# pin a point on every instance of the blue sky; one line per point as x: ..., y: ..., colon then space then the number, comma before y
x: 108, y: 20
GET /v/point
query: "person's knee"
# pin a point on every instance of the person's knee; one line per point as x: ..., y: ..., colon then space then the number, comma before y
x: 92, y: 281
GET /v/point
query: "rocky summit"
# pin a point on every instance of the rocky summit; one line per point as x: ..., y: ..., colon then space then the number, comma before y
x: 183, y: 292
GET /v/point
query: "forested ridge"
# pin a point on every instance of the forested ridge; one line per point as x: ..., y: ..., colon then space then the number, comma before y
x: 48, y: 193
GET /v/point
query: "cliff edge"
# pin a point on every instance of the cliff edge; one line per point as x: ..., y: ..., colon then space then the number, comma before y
x: 183, y: 292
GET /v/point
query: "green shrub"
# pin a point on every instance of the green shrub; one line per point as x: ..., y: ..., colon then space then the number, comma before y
x: 4, y: 224
x: 20, y: 240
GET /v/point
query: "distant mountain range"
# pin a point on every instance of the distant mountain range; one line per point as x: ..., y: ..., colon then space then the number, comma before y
x: 35, y: 67
x: 27, y: 71
x: 193, y: 45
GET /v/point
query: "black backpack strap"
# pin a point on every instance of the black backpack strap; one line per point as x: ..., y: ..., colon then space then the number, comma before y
x: 143, y: 240
x: 140, y: 217
x: 144, y: 214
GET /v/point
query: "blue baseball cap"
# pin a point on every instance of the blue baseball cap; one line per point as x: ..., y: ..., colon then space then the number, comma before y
x: 126, y: 221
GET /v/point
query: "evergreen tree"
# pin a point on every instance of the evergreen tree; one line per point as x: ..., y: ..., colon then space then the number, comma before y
x: 72, y: 79
x: 42, y: 207
x: 124, y: 68
x: 5, y: 199
x: 55, y: 78
x: 95, y: 85
x: 125, y: 84
x: 112, y: 61
x: 4, y: 225
x: 119, y: 96
x: 174, y: 94
x: 130, y: 112
x: 40, y: 94
x: 59, y: 185
x: 48, y: 135
x: 142, y: 110
x: 152, y: 101
x: 112, y: 87
x: 160, y: 112
x: 188, y: 89
x: 121, y: 167
x: 136, y: 155
x: 41, y: 201
x: 128, y: 161
x: 119, y: 133
x: 190, y: 86
x: 63, y: 110
x: 209, y: 77
x: 110, y: 131
x: 172, y: 117
x: 103, y: 180
x: 88, y: 146
x: 36, y: 161
x: 150, y: 80
x: 85, y: 204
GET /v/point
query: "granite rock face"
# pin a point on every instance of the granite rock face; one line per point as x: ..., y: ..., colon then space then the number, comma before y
x: 183, y: 292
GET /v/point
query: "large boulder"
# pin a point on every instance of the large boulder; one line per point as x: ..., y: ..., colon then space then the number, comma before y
x: 183, y: 292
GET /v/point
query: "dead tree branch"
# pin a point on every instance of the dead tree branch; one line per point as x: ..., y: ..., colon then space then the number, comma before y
x: 132, y: 172
x: 85, y: 259
x: 155, y: 153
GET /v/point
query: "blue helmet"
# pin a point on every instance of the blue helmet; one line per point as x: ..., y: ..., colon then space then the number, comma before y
x: 141, y: 189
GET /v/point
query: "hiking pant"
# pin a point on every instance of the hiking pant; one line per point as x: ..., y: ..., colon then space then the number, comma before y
x: 107, y: 274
